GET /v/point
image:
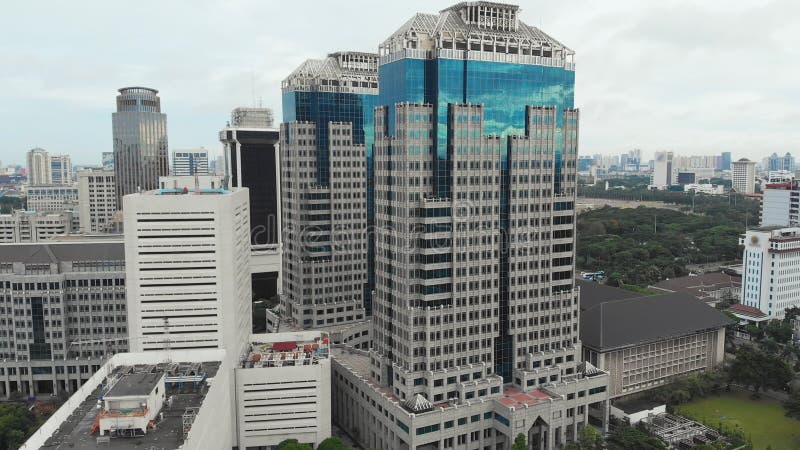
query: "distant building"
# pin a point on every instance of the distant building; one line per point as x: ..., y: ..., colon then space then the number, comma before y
x: 708, y: 189
x: 776, y: 162
x: 685, y: 178
x: 663, y: 174
x: 61, y: 169
x: 585, y: 163
x: 38, y: 165
x: 190, y: 162
x: 780, y: 205
x: 744, y: 176
x: 140, y: 141
x: 31, y: 226
x: 646, y: 341
x: 65, y: 313
x: 51, y: 197
x: 725, y: 161
x: 188, y: 269
x: 108, y: 160
x: 96, y: 199
x: 771, y: 257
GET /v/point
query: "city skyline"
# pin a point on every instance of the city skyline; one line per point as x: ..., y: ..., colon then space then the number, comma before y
x: 668, y: 105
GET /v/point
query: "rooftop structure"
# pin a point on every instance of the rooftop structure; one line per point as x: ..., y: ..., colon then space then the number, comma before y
x: 710, y: 287
x: 341, y: 72
x: 138, y: 400
x: 259, y: 118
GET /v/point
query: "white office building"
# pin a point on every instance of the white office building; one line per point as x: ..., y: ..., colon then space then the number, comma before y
x: 190, y: 162
x: 771, y: 259
x: 61, y: 169
x: 31, y: 226
x: 283, y: 390
x: 38, y: 161
x: 187, y: 256
x: 51, y: 197
x: 744, y: 176
x: 97, y: 201
x: 663, y: 173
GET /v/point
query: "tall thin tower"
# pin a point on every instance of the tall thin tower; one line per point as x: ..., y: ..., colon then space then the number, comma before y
x: 140, y: 141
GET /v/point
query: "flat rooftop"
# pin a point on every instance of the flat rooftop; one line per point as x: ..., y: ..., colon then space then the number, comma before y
x: 135, y: 384
x: 75, y: 432
x: 701, y: 286
x: 287, y: 349
x: 515, y: 398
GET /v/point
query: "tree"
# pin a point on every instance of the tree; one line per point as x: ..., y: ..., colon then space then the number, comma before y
x: 16, y: 425
x: 792, y: 405
x: 781, y: 331
x: 520, y: 443
x: 759, y: 370
x: 590, y: 439
x: 626, y: 437
x: 332, y: 443
x: 293, y: 444
x: 791, y: 313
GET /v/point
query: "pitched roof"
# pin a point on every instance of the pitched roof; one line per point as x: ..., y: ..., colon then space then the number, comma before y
x: 702, y: 286
x: 54, y: 251
x: 748, y: 311
x: 609, y: 322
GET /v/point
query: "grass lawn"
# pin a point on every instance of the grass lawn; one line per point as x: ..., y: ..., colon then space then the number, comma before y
x: 762, y: 420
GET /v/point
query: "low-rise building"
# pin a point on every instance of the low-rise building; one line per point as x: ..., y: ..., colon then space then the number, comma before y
x: 97, y: 200
x: 51, y: 197
x: 645, y: 341
x: 31, y: 226
x: 710, y: 287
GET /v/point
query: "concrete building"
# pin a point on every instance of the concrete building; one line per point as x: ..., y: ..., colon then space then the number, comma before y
x: 744, y: 176
x: 283, y: 390
x: 780, y: 205
x: 38, y: 165
x: 324, y: 189
x: 725, y: 161
x: 51, y: 198
x: 140, y: 141
x: 190, y: 162
x: 97, y: 200
x: 63, y: 313
x: 646, y: 341
x: 475, y: 313
x: 770, y: 258
x: 252, y: 160
x: 188, y: 269
x: 31, y: 226
x: 61, y: 169
x: 707, y: 189
x: 164, y: 400
x: 663, y: 175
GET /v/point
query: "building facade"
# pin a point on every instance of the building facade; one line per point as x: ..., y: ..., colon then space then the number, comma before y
x: 770, y: 260
x: 663, y: 171
x: 475, y: 315
x: 108, y: 161
x: 725, y: 161
x: 188, y: 269
x: 780, y: 205
x: 61, y: 169
x: 190, y: 162
x: 97, y: 199
x: 326, y: 145
x: 38, y: 165
x: 140, y: 141
x: 744, y: 176
x: 252, y: 160
x: 31, y: 226
x: 51, y: 198
x: 63, y: 313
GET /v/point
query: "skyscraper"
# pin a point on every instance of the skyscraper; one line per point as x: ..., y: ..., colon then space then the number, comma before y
x: 725, y: 161
x: 744, y: 176
x: 663, y: 172
x: 326, y: 158
x: 251, y: 160
x: 39, y: 170
x: 140, y: 141
x: 475, y: 305
x: 61, y: 169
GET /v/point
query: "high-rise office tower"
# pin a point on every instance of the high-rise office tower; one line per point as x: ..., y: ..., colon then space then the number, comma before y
x: 326, y: 156
x: 187, y: 264
x: 39, y: 167
x: 190, y: 162
x: 663, y: 172
x: 140, y: 141
x: 108, y: 160
x: 251, y: 160
x: 725, y: 161
x: 744, y: 176
x: 97, y: 199
x: 475, y: 305
x: 61, y: 169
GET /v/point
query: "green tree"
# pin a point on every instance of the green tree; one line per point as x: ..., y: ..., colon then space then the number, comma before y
x: 759, y: 370
x: 293, y: 444
x: 16, y: 425
x: 781, y: 331
x: 332, y: 443
x: 590, y: 439
x: 626, y: 437
x: 792, y: 405
x: 520, y: 443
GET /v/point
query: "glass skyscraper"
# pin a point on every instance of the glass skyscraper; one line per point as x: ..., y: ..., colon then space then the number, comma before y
x: 475, y: 312
x: 328, y: 129
x: 140, y: 141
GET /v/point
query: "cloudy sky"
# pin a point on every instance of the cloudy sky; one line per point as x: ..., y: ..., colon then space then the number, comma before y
x: 694, y: 77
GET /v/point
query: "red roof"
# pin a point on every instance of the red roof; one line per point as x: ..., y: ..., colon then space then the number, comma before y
x: 745, y: 310
x: 284, y: 346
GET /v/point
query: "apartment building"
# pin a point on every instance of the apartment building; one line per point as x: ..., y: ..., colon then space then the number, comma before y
x: 96, y: 200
